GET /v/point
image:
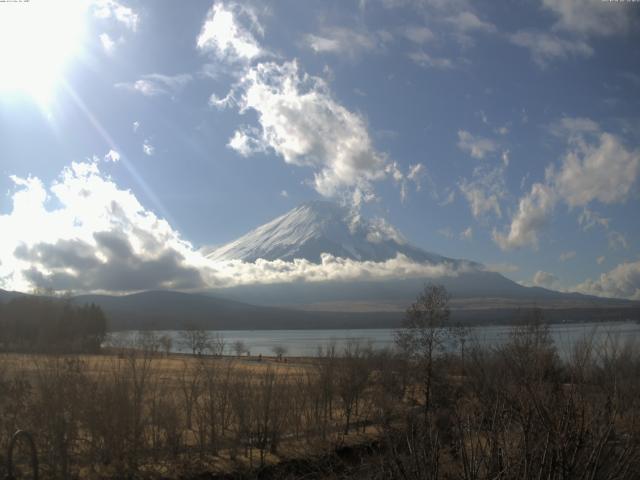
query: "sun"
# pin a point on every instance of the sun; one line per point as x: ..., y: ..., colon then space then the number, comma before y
x: 38, y: 39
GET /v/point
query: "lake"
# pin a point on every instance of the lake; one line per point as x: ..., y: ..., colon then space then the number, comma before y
x: 301, y: 343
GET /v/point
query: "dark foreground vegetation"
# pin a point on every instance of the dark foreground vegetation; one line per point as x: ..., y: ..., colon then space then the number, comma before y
x: 33, y: 323
x: 513, y: 412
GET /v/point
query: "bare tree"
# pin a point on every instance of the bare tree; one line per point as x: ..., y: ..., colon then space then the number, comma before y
x: 279, y: 351
x: 423, y: 333
x: 166, y: 342
x: 239, y: 347
x: 196, y: 340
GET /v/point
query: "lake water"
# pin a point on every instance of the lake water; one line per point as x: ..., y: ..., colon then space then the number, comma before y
x: 306, y: 342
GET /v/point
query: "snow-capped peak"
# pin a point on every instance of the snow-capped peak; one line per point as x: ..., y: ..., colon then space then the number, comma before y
x: 319, y: 227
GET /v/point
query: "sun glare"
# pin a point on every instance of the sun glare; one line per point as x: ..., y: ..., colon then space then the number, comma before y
x: 37, y: 40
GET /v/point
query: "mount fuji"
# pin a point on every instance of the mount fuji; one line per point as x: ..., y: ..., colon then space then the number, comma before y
x: 320, y: 227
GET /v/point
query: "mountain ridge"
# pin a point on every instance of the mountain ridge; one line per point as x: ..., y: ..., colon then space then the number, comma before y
x: 318, y: 227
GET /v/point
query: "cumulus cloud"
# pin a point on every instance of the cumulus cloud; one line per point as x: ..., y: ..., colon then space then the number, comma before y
x: 623, y: 281
x: 302, y: 123
x: 147, y: 148
x: 532, y: 215
x: 415, y: 174
x: 112, y: 156
x: 468, y: 21
x: 589, y: 219
x: 224, y: 35
x: 467, y: 234
x: 484, y: 191
x: 235, y: 272
x: 111, y: 9
x: 417, y: 34
x: 544, y: 279
x: 602, y: 169
x: 155, y: 84
x: 426, y: 60
x: 545, y: 47
x: 617, y: 240
x: 591, y: 17
x: 246, y: 141
x: 344, y: 41
x: 477, y: 147
x: 108, y: 44
x: 597, y: 166
x: 100, y: 238
x: 222, y: 102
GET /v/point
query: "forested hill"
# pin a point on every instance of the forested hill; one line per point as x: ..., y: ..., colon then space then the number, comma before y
x: 30, y: 323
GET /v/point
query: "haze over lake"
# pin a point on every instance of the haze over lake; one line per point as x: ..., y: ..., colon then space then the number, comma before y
x: 303, y: 343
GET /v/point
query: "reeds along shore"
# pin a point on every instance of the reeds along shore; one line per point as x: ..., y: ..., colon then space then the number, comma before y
x: 513, y: 412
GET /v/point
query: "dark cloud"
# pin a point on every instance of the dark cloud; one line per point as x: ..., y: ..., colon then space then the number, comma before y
x: 112, y: 265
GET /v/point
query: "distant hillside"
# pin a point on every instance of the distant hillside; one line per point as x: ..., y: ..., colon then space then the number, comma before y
x: 173, y: 310
x: 169, y: 310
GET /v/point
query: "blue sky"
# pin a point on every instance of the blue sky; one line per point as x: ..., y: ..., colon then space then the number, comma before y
x: 503, y: 132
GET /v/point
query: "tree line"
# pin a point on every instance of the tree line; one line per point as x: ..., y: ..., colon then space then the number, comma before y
x: 45, y: 324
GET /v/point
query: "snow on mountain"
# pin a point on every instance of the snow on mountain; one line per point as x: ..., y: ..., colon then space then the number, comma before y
x: 320, y: 227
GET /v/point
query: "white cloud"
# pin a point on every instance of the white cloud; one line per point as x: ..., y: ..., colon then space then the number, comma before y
x: 449, y: 199
x: 476, y: 146
x: 602, y: 170
x: 564, y: 256
x: 623, y: 281
x: 246, y: 142
x: 343, y: 41
x: 596, y: 167
x: 221, y: 103
x: 415, y: 174
x: 223, y: 35
x: 112, y: 156
x: 545, y: 47
x: 533, y: 213
x: 468, y: 21
x: 417, y: 34
x: 591, y: 17
x: 484, y: 191
x: 505, y: 158
x: 331, y: 268
x: 147, y: 148
x: 284, y: 194
x: 467, y: 234
x: 423, y: 59
x: 574, y: 127
x: 135, y: 126
x: 155, y: 84
x: 107, y: 43
x: 106, y: 9
x: 544, y: 279
x: 589, y: 219
x: 100, y: 238
x: 301, y: 122
x: 617, y: 240
x: 600, y: 260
